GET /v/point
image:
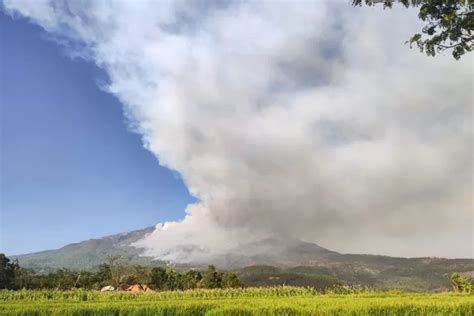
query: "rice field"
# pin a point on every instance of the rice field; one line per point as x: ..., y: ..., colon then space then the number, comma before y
x: 248, y: 301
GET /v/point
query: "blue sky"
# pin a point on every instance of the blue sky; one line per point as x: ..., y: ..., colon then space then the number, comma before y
x: 70, y: 168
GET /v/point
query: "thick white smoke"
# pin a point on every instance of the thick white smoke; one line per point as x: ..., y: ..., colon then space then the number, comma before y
x: 306, y: 120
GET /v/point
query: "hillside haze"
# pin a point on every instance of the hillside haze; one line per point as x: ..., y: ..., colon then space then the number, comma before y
x: 267, y: 262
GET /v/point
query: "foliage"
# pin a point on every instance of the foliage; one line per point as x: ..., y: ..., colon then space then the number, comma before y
x: 117, y: 273
x: 449, y: 24
x: 174, y: 280
x: 211, y: 279
x: 376, y: 272
x: 7, y: 272
x: 460, y: 283
x: 118, y: 270
x: 319, y: 282
x: 247, y: 301
x: 159, y: 278
x: 192, y: 279
x: 231, y: 280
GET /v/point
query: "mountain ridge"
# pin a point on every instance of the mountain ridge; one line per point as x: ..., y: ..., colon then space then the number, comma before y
x: 266, y: 262
x: 298, y: 251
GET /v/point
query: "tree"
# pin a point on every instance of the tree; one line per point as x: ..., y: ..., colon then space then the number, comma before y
x: 7, y: 272
x: 137, y: 274
x: 64, y: 279
x: 211, y: 279
x: 230, y: 279
x: 24, y: 278
x: 118, y: 270
x: 174, y: 280
x: 159, y: 278
x: 191, y: 279
x: 449, y: 24
x: 87, y: 280
x: 103, y: 276
x: 460, y: 283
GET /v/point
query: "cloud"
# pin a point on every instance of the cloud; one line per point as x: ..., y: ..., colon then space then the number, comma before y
x: 302, y: 120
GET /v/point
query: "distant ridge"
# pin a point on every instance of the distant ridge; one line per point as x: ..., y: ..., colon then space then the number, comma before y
x: 269, y: 261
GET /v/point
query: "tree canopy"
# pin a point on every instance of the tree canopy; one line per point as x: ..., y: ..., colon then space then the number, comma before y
x: 449, y: 24
x: 114, y: 272
x: 460, y: 283
x: 7, y: 272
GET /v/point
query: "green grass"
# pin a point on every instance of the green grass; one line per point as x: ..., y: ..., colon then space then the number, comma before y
x: 250, y: 301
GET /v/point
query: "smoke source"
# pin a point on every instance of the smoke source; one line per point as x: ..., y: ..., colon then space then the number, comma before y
x: 307, y: 120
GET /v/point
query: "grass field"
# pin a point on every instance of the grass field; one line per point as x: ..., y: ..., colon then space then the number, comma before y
x: 250, y: 301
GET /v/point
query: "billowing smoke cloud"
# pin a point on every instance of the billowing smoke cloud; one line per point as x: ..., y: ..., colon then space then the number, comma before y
x: 302, y: 120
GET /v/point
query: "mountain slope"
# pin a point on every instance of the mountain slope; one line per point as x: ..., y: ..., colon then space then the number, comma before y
x: 282, y: 252
x: 90, y: 253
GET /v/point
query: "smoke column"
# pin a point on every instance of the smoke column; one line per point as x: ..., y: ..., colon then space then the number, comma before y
x: 306, y: 120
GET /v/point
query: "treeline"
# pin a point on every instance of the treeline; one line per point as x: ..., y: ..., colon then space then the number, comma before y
x: 115, y: 273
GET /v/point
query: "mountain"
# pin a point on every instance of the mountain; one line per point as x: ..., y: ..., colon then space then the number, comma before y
x: 269, y: 261
x: 89, y: 254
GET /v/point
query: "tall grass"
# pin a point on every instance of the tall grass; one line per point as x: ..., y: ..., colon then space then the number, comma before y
x: 248, y: 301
x: 87, y: 295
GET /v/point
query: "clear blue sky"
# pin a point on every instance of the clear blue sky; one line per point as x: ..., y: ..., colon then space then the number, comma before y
x: 70, y: 169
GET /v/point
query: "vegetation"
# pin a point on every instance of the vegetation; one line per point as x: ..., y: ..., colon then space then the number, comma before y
x: 7, y: 272
x: 377, y: 272
x: 381, y: 273
x: 247, y: 301
x: 262, y: 275
x: 449, y: 24
x: 211, y: 292
x: 89, y: 254
x: 461, y: 283
x: 117, y: 273
x: 308, y: 265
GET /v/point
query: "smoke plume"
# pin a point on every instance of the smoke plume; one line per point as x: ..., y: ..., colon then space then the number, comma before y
x: 307, y: 120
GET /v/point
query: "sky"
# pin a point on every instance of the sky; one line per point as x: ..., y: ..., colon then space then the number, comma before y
x: 307, y: 120
x: 70, y: 168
